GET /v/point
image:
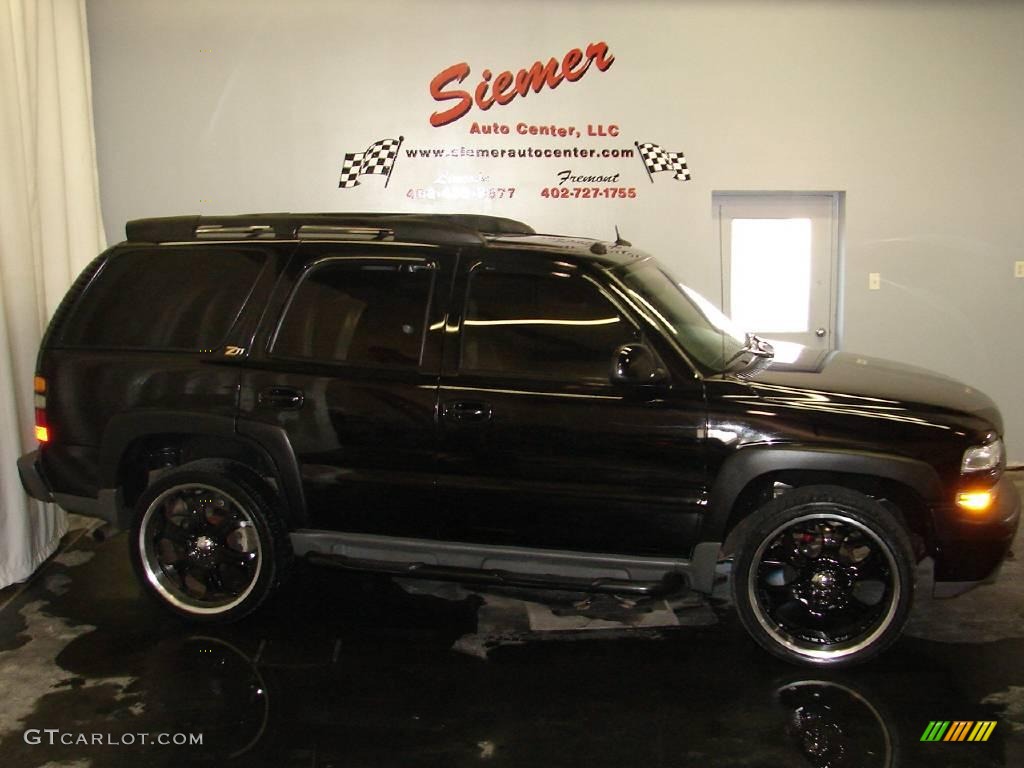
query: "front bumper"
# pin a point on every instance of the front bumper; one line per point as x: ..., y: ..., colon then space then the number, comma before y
x: 969, y: 551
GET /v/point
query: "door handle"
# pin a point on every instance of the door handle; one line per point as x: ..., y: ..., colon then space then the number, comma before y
x: 282, y: 397
x: 467, y: 411
x: 820, y: 332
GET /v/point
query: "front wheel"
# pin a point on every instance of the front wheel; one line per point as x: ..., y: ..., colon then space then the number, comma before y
x: 824, y: 576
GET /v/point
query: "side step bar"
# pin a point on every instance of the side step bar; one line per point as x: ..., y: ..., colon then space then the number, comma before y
x: 670, y: 583
x: 510, y: 566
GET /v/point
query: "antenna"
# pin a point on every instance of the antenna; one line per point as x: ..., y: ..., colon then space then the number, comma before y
x: 618, y: 238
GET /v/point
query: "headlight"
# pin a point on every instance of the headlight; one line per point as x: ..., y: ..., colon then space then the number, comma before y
x: 983, y: 457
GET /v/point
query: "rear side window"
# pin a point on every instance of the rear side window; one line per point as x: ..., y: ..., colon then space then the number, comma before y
x: 165, y: 299
x: 359, y: 312
x: 540, y: 325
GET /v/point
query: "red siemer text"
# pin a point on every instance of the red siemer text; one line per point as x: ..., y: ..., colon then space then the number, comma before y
x: 507, y: 86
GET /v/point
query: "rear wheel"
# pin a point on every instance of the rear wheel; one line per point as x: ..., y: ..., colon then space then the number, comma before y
x: 208, y: 543
x: 824, y: 576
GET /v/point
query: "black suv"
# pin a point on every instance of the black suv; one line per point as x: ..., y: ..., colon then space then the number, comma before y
x: 457, y: 397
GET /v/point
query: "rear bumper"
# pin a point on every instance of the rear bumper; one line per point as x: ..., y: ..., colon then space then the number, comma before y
x: 30, y: 471
x: 970, y: 551
x: 108, y: 506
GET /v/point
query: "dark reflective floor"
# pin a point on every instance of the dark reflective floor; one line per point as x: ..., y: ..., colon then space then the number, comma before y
x: 348, y: 670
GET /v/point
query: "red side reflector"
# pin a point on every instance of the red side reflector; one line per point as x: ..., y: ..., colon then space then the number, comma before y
x: 42, y: 434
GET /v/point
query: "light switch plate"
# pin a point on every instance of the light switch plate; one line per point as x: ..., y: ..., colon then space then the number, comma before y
x: 1018, y: 269
x: 874, y: 281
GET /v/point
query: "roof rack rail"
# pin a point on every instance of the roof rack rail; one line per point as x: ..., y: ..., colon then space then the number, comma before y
x: 439, y: 229
x: 220, y: 232
x: 335, y: 232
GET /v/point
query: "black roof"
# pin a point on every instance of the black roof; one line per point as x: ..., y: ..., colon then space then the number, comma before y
x: 432, y: 228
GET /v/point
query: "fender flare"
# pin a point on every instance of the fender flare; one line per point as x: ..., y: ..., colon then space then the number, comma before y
x: 270, y: 442
x: 747, y: 464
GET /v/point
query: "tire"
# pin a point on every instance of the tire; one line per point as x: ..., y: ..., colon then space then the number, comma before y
x: 209, y: 543
x: 824, y: 576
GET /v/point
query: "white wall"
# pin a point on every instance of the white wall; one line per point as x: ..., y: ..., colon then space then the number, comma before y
x: 914, y: 109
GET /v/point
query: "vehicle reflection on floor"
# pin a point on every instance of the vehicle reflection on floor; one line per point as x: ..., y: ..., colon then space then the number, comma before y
x: 223, y: 692
x: 353, y: 670
x: 830, y: 723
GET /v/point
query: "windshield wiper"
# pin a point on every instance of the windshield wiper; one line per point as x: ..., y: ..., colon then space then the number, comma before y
x: 754, y: 345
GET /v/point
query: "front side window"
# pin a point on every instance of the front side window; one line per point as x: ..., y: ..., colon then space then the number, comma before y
x: 165, y: 298
x: 348, y: 311
x: 549, y: 325
x: 696, y: 324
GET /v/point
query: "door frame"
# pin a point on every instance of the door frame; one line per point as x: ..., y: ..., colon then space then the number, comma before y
x: 837, y: 200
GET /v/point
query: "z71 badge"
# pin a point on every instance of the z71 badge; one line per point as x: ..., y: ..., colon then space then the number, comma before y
x: 230, y: 351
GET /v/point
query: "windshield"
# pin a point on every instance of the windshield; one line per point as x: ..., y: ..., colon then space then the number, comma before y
x: 695, y: 323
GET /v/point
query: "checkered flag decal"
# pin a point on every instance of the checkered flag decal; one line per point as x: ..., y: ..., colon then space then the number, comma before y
x: 378, y: 158
x: 657, y: 159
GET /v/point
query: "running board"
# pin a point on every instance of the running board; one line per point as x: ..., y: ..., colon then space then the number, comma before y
x: 670, y: 583
x: 509, y: 566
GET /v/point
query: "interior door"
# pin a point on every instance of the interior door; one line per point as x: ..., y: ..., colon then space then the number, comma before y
x: 778, y: 256
x: 539, y: 448
x: 349, y: 369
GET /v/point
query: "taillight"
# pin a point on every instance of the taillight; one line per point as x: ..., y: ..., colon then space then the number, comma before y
x: 42, y: 429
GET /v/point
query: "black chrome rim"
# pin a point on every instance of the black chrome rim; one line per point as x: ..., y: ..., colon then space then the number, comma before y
x: 824, y: 585
x: 200, y: 549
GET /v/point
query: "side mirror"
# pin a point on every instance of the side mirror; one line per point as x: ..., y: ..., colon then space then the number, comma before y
x: 636, y: 364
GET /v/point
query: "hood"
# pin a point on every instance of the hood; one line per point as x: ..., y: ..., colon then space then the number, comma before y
x: 840, y: 381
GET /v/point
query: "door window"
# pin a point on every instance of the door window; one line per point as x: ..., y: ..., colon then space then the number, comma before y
x: 771, y: 274
x: 548, y: 325
x: 359, y: 312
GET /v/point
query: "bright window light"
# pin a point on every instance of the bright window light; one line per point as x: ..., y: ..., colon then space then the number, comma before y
x: 771, y: 274
x: 786, y: 351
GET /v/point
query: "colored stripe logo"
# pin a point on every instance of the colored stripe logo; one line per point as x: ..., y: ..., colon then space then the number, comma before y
x: 958, y: 730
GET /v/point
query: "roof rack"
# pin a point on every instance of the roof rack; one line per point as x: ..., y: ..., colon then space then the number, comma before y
x: 439, y: 229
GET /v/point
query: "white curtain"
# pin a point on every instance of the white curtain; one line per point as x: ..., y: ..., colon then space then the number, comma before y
x: 50, y: 228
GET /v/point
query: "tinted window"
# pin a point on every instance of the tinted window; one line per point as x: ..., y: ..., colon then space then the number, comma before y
x: 357, y: 312
x: 542, y: 325
x: 695, y: 322
x: 166, y: 298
